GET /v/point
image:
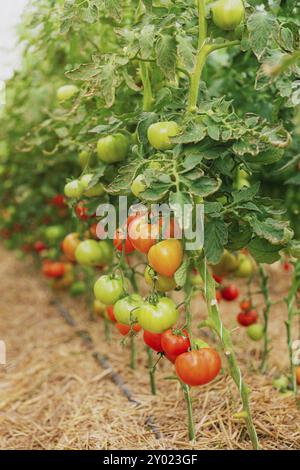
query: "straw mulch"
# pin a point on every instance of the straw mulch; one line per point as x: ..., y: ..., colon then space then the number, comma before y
x: 54, y: 395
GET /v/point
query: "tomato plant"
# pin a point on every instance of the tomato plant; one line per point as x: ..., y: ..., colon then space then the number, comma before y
x: 247, y: 318
x: 108, y: 289
x: 166, y: 256
x: 153, y: 340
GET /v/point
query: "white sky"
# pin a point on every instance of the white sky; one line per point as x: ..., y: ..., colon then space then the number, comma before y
x: 10, y: 13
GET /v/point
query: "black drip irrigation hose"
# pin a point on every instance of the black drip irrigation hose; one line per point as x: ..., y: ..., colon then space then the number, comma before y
x: 103, y: 362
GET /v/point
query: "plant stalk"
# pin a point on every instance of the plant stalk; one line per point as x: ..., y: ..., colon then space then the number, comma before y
x: 215, y: 323
x: 290, y: 301
x: 132, y: 353
x: 264, y: 282
x: 189, y: 405
x: 147, y: 95
x: 151, y: 371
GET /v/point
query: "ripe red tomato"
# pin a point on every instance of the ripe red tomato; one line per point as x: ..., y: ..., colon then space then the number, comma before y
x: 247, y: 318
x: 125, y: 329
x: 119, y: 242
x: 82, y: 211
x: 69, y: 245
x: 166, y: 256
x: 245, y: 305
x: 297, y: 372
x: 230, y: 293
x: 153, y: 340
x: 217, y: 278
x: 53, y: 269
x: 58, y: 201
x: 142, y: 234
x: 198, y: 367
x: 39, y: 246
x: 110, y: 312
x: 97, y: 230
x: 175, y: 343
x: 287, y: 266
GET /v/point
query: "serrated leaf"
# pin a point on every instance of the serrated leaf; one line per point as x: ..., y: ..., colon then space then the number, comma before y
x: 181, y: 274
x: 84, y: 72
x: 186, y: 52
x: 146, y: 41
x: 269, y: 229
x: 262, y: 27
x: 245, y: 194
x: 166, y: 56
x: 215, y: 238
x: 124, y: 178
x: 205, y: 186
x: 196, y: 134
x: 263, y: 251
x: 156, y: 192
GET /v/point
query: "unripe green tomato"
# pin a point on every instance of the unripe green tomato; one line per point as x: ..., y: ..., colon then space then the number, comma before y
x: 158, y: 317
x: 66, y: 92
x: 159, y: 134
x: 113, y: 148
x: 77, y: 288
x: 245, y: 266
x: 87, y: 158
x: 96, y: 190
x: 107, y: 251
x: 89, y: 253
x: 108, y: 289
x: 138, y: 185
x: 74, y: 189
x: 255, y: 331
x: 54, y: 232
x: 228, y: 14
x: 124, y: 309
x: 162, y: 283
x: 281, y: 382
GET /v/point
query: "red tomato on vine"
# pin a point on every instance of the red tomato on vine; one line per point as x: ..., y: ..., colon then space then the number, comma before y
x: 198, y: 367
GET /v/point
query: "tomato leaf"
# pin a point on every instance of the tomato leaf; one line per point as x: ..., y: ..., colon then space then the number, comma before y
x: 215, y: 238
x: 263, y: 251
x: 181, y: 274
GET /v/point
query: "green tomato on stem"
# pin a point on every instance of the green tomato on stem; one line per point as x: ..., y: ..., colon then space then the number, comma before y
x: 108, y: 289
x: 124, y: 309
x: 74, y: 189
x: 158, y: 317
x: 66, y: 92
x: 159, y: 134
x: 255, y: 331
x: 228, y: 14
x: 113, y: 148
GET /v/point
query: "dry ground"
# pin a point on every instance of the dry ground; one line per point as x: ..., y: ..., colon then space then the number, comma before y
x: 53, y: 395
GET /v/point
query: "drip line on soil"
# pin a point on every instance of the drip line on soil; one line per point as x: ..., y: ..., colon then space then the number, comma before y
x: 103, y: 362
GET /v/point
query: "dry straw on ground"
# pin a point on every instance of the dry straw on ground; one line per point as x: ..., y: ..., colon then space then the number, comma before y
x: 54, y: 395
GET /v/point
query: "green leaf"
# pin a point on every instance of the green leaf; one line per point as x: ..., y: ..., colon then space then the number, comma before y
x: 215, y: 238
x: 84, y: 72
x: 294, y: 180
x: 177, y: 201
x: 205, y: 186
x: 196, y: 134
x: 263, y: 251
x: 245, y: 194
x: 181, y: 274
x: 156, y: 192
x: 270, y: 229
x: 146, y: 40
x: 262, y: 27
x: 124, y: 178
x: 166, y: 56
x: 186, y: 52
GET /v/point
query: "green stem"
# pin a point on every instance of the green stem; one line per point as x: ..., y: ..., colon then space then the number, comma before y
x: 89, y: 277
x: 215, y: 323
x: 151, y: 371
x: 187, y: 396
x: 107, y: 331
x: 264, y: 282
x: 147, y: 95
x: 132, y: 353
x: 290, y: 301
